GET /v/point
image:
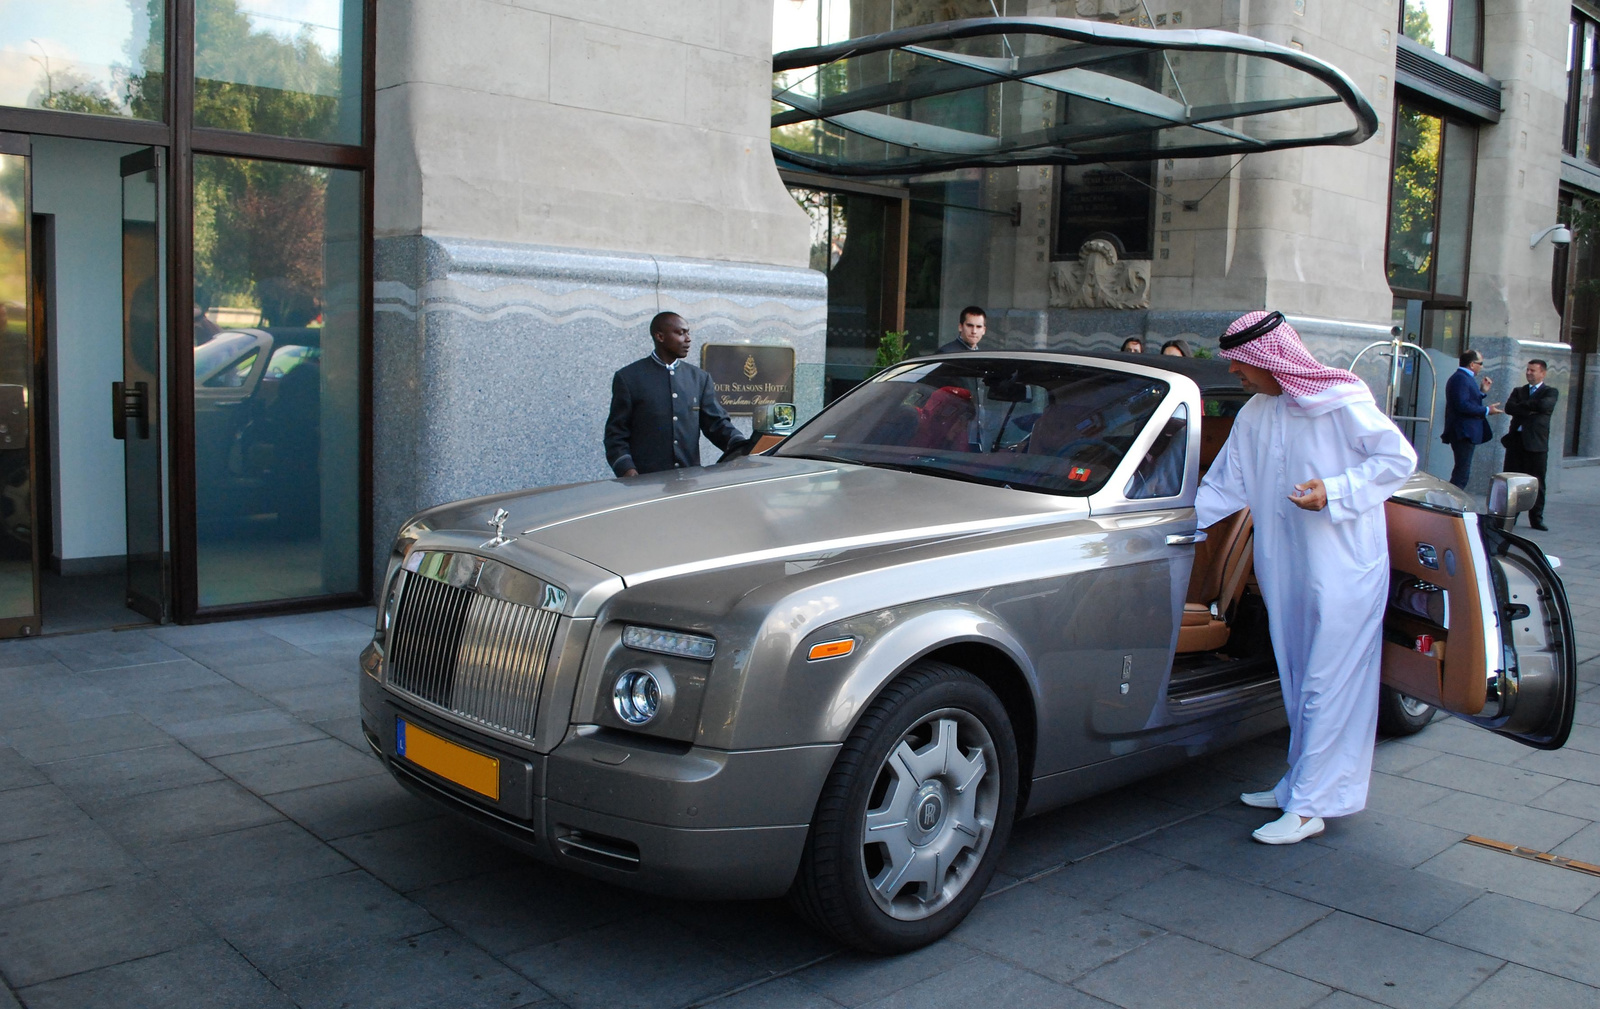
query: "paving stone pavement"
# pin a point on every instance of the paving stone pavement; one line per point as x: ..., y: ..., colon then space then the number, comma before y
x: 189, y: 817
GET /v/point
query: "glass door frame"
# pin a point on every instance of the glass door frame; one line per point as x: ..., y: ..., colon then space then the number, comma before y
x: 12, y: 145
x: 182, y: 141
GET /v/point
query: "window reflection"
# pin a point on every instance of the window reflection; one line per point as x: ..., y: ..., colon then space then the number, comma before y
x: 277, y: 385
x: 1448, y: 27
x: 291, y: 68
x: 102, y: 57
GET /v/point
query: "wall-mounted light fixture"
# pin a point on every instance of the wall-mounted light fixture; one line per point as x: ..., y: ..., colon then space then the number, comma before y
x: 1559, y: 234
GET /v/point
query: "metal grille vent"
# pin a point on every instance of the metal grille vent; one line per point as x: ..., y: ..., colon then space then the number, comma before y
x: 1441, y: 78
x: 475, y: 656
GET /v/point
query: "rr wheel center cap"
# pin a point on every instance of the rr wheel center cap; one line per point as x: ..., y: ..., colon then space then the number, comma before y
x: 927, y: 813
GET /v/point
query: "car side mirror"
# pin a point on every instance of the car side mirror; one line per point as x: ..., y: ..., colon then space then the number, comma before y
x: 1511, y: 494
x: 779, y: 419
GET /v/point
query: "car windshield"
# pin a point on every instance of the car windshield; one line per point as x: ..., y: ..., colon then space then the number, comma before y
x: 1030, y: 425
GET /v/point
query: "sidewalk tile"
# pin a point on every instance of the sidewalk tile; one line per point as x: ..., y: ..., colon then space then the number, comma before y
x: 107, y: 649
x: 295, y: 923
x: 1044, y: 842
x: 1522, y: 878
x: 436, y: 969
x: 347, y: 729
x: 1500, y: 821
x: 1389, y: 837
x: 527, y: 905
x: 1585, y: 737
x: 360, y: 805
x: 609, y: 968
x: 1345, y: 1000
x: 1515, y: 985
x: 181, y: 814
x: 1120, y: 815
x: 1573, y: 764
x: 1583, y: 846
x: 1220, y: 910
x: 986, y: 981
x: 852, y: 979
x: 766, y: 933
x: 1203, y: 785
x: 245, y: 648
x: 320, y: 702
x: 1574, y: 798
x: 1097, y: 879
x: 1392, y: 793
x: 1178, y: 973
x: 87, y: 737
x: 1530, y: 934
x: 1358, y: 885
x: 16, y: 772
x: 177, y: 673
x: 84, y: 931
x: 427, y: 852
x: 14, y: 654
x: 784, y: 993
x: 208, y: 974
x: 319, y: 628
x: 173, y: 707
x: 306, y: 671
x: 107, y: 776
x: 1382, y: 963
x: 220, y: 735
x: 297, y: 765
x: 1481, y: 777
x: 214, y: 870
x: 1451, y: 735
x: 1396, y: 756
x: 72, y: 861
x: 1057, y: 936
x: 37, y: 811
x: 1220, y: 845
x: 61, y: 699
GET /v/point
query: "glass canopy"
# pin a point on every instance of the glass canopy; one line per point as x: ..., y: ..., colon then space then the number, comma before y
x: 993, y: 92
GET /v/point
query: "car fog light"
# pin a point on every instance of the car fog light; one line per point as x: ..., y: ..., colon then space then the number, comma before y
x: 689, y: 646
x: 636, y: 697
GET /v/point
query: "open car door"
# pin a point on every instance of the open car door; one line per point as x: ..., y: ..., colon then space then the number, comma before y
x: 1478, y: 625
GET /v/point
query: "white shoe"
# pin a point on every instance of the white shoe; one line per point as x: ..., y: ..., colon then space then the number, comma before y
x: 1287, y: 829
x: 1260, y: 800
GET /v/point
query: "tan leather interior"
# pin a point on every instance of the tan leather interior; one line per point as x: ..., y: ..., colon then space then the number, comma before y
x: 1454, y: 675
x: 1214, y: 433
x: 1223, y: 563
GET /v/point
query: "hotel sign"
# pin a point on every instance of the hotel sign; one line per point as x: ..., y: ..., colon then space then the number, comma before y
x: 748, y: 376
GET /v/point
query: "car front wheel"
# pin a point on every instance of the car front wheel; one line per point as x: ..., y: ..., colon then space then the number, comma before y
x: 914, y: 814
x: 1401, y: 714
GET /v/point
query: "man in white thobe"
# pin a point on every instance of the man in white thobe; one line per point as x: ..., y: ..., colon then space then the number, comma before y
x: 1314, y: 459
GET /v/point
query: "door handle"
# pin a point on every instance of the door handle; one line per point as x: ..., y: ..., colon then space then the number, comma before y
x: 130, y: 403
x: 1185, y: 539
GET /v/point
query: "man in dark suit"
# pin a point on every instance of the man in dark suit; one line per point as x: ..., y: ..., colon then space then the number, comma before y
x: 973, y: 325
x: 661, y: 404
x: 1528, y: 442
x: 1466, y: 419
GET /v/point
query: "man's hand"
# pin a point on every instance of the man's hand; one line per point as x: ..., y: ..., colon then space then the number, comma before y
x: 1312, y: 495
x: 1495, y: 408
x: 630, y: 472
x: 1484, y: 382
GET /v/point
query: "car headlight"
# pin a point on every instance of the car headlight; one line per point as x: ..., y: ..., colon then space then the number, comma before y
x: 688, y: 646
x: 636, y: 696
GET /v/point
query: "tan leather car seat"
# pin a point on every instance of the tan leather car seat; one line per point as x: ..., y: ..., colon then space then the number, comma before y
x: 1222, y: 567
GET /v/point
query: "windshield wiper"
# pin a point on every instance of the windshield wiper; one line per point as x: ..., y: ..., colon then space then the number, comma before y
x: 938, y: 471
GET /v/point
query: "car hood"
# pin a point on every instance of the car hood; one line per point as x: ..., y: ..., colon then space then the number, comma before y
x: 758, y: 509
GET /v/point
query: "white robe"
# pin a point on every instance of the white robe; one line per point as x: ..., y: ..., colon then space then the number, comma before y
x: 1324, y: 575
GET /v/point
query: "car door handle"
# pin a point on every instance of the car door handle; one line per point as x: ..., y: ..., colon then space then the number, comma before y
x: 1185, y: 539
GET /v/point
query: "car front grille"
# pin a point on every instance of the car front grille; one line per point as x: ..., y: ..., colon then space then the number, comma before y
x: 473, y: 655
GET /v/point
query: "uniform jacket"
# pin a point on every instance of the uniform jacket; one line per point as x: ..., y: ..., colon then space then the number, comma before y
x: 1530, y: 418
x: 657, y: 417
x: 956, y: 346
x: 1465, y: 416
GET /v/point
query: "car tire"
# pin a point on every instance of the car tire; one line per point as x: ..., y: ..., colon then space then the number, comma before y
x: 1401, y: 715
x: 931, y: 770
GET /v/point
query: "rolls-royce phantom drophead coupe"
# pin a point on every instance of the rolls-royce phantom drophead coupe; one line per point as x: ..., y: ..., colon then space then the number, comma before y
x: 969, y: 590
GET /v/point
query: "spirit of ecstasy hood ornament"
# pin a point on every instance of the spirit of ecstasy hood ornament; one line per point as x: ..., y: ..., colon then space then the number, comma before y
x: 500, y: 537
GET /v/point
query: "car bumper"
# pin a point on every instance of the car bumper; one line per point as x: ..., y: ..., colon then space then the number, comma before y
x: 673, y: 819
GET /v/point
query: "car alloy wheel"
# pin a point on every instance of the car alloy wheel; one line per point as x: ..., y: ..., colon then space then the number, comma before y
x: 933, y: 817
x: 914, y: 815
x: 1401, y: 714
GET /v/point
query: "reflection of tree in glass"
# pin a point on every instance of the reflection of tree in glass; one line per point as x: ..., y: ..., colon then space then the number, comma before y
x: 292, y: 85
x: 258, y: 235
x: 1416, y: 181
x: 70, y: 91
x: 1418, y: 26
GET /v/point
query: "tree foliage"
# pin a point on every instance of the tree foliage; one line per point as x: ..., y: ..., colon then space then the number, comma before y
x: 1416, y: 184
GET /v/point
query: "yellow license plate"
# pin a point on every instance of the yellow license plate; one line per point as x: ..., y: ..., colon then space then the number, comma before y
x: 465, y: 767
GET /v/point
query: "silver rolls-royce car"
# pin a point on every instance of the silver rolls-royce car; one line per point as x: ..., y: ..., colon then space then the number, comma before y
x: 970, y: 590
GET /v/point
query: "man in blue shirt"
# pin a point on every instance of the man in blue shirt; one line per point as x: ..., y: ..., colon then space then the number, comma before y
x: 1466, y: 418
x: 661, y: 404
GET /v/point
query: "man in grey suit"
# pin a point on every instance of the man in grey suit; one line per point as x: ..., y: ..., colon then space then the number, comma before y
x: 1528, y: 442
x: 661, y: 404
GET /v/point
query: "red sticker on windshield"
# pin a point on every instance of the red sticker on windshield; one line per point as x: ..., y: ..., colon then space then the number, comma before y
x: 1079, y: 473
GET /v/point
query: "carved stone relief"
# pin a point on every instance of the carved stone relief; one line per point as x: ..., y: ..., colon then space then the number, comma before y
x: 1100, y: 280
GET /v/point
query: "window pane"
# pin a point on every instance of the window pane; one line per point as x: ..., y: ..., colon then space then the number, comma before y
x: 1100, y: 201
x: 291, y: 68
x: 277, y: 268
x: 1465, y: 19
x: 1569, y: 124
x: 16, y: 360
x: 98, y: 56
x: 1427, y: 22
x: 1411, y: 200
x: 1455, y: 207
x: 1589, y: 99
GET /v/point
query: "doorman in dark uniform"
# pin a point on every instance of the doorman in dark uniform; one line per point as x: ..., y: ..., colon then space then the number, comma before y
x: 1528, y: 442
x: 661, y: 404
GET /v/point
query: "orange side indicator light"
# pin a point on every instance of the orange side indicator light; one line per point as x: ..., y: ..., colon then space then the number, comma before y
x: 831, y: 649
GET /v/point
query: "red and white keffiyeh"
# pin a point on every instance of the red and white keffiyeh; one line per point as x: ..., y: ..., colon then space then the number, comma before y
x: 1281, y: 352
